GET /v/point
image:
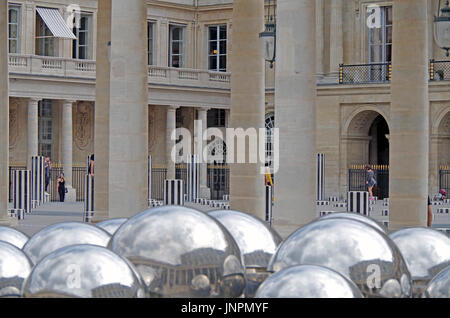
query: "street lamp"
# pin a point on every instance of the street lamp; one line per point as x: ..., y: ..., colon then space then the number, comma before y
x: 268, y: 37
x: 442, y: 27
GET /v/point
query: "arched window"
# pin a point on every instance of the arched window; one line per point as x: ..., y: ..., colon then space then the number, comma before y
x: 270, y: 126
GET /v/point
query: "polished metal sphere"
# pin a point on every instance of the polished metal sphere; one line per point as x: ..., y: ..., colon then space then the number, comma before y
x: 426, y: 253
x: 354, y: 249
x: 181, y: 252
x: 64, y: 234
x: 85, y: 271
x: 15, y: 267
x: 439, y: 286
x: 308, y: 281
x: 12, y: 236
x: 256, y: 240
x: 112, y: 225
x: 357, y: 217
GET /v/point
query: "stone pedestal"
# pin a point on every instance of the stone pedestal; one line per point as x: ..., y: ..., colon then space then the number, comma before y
x: 247, y: 103
x: 295, y: 115
x: 121, y: 136
x: 409, y: 136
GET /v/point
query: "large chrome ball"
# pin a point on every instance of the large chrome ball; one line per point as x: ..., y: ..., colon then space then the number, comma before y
x: 15, y: 267
x: 356, y: 250
x: 426, y: 253
x: 357, y: 217
x: 12, y: 236
x: 111, y: 225
x: 181, y: 252
x: 439, y: 286
x: 59, y: 235
x: 85, y: 271
x: 308, y: 281
x: 256, y: 240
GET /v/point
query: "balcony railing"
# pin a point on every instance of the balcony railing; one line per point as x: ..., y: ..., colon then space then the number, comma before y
x: 43, y: 65
x: 365, y: 73
x: 439, y: 70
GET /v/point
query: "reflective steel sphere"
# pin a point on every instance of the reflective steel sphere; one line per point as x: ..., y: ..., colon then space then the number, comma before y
x: 61, y: 235
x: 181, y: 252
x: 257, y: 241
x: 15, y: 267
x: 112, y: 225
x: 439, y: 286
x: 85, y: 271
x: 357, y: 217
x: 356, y: 250
x: 308, y: 281
x: 12, y: 236
x: 426, y: 253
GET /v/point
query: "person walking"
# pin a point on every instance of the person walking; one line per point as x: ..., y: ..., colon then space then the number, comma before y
x: 370, y: 181
x: 61, y: 187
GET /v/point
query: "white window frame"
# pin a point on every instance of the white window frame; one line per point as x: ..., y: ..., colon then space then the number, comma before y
x: 384, y: 44
x: 151, y: 42
x: 88, y: 36
x: 46, y: 41
x: 182, y: 46
x: 218, y: 52
x: 16, y: 8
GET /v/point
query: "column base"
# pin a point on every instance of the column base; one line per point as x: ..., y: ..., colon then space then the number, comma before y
x: 205, y: 192
x: 8, y: 221
x: 99, y: 217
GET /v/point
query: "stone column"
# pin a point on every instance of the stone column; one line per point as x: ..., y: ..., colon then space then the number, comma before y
x: 171, y: 125
x: 295, y: 115
x: 433, y: 178
x: 66, y: 148
x: 205, y: 192
x: 319, y: 36
x: 247, y: 103
x: 336, y: 36
x: 4, y: 115
x: 121, y: 145
x: 33, y: 130
x: 409, y: 136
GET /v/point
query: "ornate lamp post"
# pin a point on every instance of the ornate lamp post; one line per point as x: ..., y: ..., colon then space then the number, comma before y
x: 268, y: 37
x: 442, y: 27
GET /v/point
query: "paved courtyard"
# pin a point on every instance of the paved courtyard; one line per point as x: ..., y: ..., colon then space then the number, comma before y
x: 57, y: 212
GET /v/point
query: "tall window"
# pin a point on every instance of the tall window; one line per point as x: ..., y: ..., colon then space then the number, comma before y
x: 380, y: 39
x: 216, y: 118
x: 13, y: 28
x: 150, y: 35
x: 217, y: 48
x: 45, y: 128
x: 176, y: 46
x: 45, y: 41
x: 270, y: 126
x: 82, y: 27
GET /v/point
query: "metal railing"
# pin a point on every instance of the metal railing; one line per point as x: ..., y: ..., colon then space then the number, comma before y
x: 365, y: 73
x: 357, y: 176
x: 439, y: 70
x: 444, y: 178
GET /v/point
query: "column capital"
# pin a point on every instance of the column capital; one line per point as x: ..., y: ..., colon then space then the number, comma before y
x: 68, y: 102
x: 34, y: 100
x: 204, y: 109
x: 172, y: 107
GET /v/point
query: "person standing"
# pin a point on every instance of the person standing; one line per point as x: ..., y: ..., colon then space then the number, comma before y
x: 370, y: 181
x: 91, y: 165
x: 61, y: 187
x: 430, y: 214
x: 47, y: 170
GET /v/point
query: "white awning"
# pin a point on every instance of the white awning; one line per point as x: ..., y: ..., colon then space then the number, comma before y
x: 55, y: 22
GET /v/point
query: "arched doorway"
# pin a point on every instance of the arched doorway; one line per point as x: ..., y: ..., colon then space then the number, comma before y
x: 443, y: 142
x: 366, y: 142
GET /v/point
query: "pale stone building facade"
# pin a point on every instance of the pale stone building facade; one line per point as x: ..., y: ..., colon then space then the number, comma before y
x: 52, y: 82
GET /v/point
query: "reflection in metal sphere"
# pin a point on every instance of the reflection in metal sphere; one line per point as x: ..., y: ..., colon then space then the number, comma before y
x: 60, y: 235
x: 256, y: 240
x: 12, y: 236
x: 358, y: 251
x: 308, y: 281
x: 179, y: 251
x: 426, y: 253
x: 357, y: 217
x: 439, y: 286
x: 112, y: 225
x: 85, y: 271
x: 15, y: 267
